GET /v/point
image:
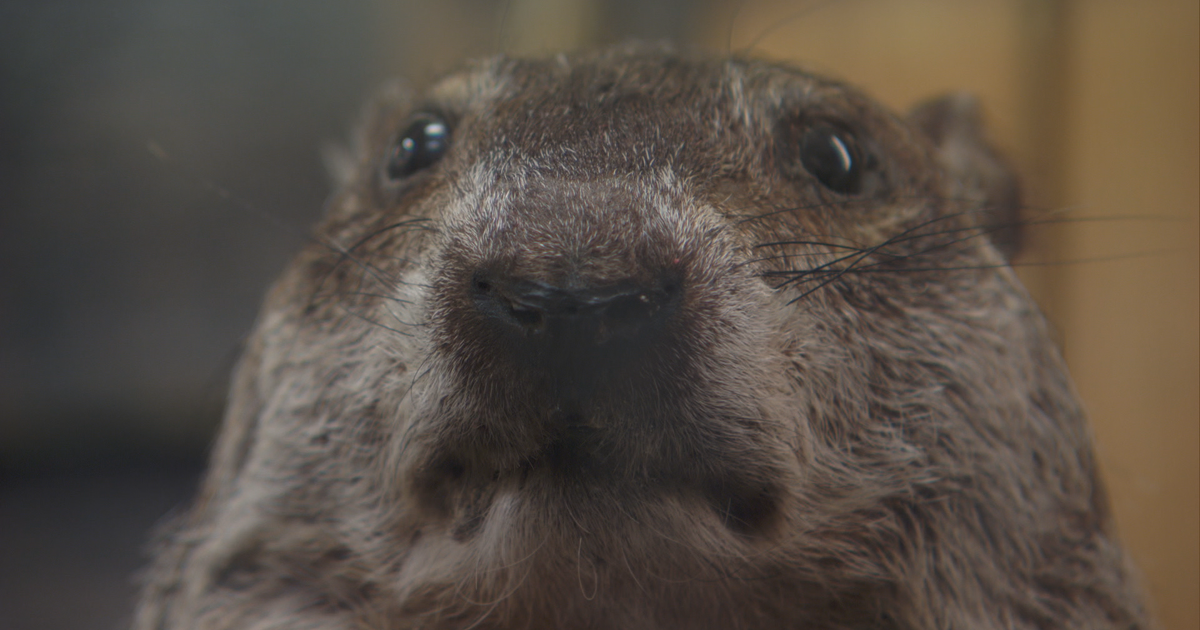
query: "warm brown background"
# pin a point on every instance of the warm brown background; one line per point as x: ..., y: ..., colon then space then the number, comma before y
x: 126, y: 281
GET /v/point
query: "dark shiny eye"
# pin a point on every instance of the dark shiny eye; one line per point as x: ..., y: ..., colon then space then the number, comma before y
x: 422, y: 143
x: 831, y: 156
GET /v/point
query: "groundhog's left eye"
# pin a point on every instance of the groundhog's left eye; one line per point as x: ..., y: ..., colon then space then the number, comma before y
x: 422, y: 143
x: 831, y: 155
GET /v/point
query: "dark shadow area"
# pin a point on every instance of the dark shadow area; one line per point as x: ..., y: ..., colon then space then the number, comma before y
x: 72, y: 537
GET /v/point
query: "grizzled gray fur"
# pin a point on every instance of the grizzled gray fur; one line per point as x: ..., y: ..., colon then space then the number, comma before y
x: 636, y: 339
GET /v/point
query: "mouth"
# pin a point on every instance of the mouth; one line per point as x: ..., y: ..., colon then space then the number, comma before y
x: 582, y: 465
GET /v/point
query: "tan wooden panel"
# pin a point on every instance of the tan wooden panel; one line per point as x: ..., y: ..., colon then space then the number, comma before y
x: 1132, y: 326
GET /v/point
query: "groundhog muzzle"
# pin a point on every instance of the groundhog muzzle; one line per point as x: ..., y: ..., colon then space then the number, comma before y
x: 640, y: 339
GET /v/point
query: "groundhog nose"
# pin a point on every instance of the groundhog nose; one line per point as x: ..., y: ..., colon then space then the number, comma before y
x: 575, y: 331
x: 589, y: 316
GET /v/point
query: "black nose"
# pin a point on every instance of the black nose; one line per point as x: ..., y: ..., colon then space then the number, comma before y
x: 588, y: 316
x: 574, y: 331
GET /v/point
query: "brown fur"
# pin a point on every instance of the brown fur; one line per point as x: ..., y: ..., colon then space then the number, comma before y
x: 853, y: 418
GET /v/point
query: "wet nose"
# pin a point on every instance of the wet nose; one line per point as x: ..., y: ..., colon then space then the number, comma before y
x: 554, y: 323
x: 577, y: 336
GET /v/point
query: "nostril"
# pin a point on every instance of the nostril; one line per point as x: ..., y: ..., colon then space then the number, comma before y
x: 527, y: 317
x: 630, y: 309
x: 518, y: 303
x: 481, y: 285
x: 574, y: 316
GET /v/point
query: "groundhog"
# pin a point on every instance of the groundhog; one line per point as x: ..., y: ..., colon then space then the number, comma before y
x: 643, y: 339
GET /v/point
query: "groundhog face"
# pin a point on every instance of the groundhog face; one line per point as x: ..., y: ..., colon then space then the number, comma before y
x: 640, y: 340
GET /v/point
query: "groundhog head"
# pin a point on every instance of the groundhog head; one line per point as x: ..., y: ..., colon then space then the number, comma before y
x: 636, y: 339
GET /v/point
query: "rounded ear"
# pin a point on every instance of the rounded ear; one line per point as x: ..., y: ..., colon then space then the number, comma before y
x: 954, y: 124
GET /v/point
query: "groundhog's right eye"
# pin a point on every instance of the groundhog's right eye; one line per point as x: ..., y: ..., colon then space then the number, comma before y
x: 422, y: 144
x: 830, y: 155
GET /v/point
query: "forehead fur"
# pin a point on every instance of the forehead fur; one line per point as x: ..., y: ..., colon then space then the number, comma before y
x: 629, y: 101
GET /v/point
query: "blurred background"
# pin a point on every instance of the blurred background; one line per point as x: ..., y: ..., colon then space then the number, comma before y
x: 160, y: 160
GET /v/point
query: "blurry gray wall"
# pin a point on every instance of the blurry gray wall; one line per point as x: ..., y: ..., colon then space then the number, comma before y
x: 127, y: 281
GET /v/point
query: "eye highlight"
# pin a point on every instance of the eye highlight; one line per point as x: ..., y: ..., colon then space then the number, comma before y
x: 831, y: 155
x: 422, y: 144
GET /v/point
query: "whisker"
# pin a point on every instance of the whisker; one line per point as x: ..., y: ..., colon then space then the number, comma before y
x: 380, y: 296
x: 862, y: 254
x: 859, y: 257
x: 352, y: 312
x: 778, y: 24
x: 1036, y: 263
x: 829, y: 272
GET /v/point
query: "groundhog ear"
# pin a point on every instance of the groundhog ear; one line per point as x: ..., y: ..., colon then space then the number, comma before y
x: 954, y: 124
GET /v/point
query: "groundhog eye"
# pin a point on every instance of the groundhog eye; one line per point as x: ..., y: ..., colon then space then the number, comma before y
x: 420, y: 145
x: 831, y: 156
